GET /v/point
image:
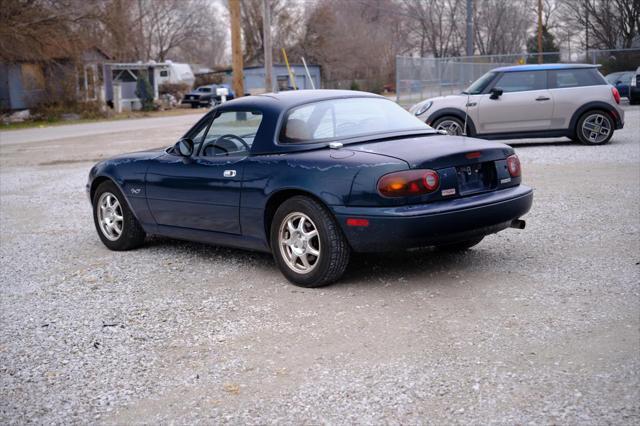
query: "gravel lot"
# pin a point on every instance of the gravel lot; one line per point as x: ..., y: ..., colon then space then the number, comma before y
x: 539, y: 326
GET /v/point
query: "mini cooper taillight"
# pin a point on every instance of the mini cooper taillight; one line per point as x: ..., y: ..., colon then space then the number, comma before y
x: 513, y: 165
x: 616, y: 94
x: 408, y: 183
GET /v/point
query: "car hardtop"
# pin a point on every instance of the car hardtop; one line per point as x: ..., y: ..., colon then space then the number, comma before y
x: 543, y: 67
x: 274, y: 108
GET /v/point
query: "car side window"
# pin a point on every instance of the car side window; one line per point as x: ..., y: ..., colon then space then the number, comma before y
x: 231, y: 133
x: 522, y: 81
x: 561, y: 79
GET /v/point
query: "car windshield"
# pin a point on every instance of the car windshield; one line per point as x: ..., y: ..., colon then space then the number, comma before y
x: 346, y: 118
x: 204, y: 89
x: 480, y: 84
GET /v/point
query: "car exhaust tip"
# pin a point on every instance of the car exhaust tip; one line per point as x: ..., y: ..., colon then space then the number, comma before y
x: 518, y: 224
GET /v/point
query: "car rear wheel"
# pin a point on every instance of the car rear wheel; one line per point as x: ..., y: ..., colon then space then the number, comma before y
x: 307, y: 243
x: 452, y: 125
x: 461, y: 245
x: 594, y: 128
x: 116, y: 225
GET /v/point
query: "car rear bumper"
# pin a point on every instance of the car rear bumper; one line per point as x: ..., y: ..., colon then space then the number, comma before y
x: 435, y: 223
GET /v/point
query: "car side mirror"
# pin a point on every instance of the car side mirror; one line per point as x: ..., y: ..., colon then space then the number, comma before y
x: 496, y: 92
x: 184, y: 147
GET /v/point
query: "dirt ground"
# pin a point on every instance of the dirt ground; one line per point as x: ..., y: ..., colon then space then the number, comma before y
x: 539, y: 325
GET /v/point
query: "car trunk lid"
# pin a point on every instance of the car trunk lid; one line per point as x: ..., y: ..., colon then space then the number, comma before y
x: 466, y: 166
x: 437, y: 151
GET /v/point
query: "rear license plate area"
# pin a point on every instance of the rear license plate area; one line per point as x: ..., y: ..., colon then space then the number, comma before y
x: 476, y: 177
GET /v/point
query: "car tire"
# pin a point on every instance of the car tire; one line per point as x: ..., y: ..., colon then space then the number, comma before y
x: 460, y: 245
x: 300, y: 228
x: 108, y: 205
x: 597, y: 120
x: 448, y: 122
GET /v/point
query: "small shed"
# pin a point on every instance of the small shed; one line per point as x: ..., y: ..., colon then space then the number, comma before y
x: 254, y: 77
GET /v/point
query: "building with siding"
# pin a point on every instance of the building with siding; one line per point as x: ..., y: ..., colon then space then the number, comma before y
x: 254, y: 77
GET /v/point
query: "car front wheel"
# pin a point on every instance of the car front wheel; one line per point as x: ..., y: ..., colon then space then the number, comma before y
x: 452, y: 125
x: 594, y: 128
x: 117, y: 227
x: 307, y: 243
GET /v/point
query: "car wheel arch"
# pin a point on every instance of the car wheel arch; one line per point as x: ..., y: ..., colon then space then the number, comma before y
x: 590, y: 107
x: 454, y: 112
x: 97, y: 182
x: 277, y: 198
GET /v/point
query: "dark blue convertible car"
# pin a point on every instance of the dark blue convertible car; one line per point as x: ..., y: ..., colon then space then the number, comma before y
x: 311, y: 176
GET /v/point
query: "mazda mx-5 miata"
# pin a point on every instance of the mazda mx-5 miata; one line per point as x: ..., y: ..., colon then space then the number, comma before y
x: 311, y: 176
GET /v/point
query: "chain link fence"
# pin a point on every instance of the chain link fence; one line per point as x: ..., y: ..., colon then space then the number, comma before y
x: 421, y: 78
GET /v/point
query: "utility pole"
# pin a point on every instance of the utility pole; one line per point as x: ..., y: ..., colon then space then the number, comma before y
x: 266, y: 45
x: 539, y: 31
x: 469, y: 28
x: 236, y: 48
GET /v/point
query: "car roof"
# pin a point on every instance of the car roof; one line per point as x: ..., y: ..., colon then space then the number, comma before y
x: 273, y: 106
x: 284, y: 100
x: 543, y: 67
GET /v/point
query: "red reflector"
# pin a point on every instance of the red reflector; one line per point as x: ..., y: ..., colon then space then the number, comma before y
x: 357, y: 222
x: 472, y: 155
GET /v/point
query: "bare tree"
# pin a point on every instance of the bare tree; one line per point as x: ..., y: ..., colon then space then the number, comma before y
x: 353, y: 40
x: 611, y: 24
x: 501, y: 26
x: 439, y: 34
x: 42, y: 30
x: 170, y: 24
x: 286, y: 27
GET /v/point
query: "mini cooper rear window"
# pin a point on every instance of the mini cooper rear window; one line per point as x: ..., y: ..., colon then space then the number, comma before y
x: 346, y: 118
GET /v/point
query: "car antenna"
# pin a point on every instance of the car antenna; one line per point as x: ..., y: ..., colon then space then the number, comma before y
x: 466, y: 114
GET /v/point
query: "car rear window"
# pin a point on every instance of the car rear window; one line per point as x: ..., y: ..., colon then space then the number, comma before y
x: 345, y: 118
x: 560, y: 79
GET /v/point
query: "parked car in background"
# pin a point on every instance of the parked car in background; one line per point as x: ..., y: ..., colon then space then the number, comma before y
x: 206, y: 96
x: 311, y: 176
x: 634, y: 88
x: 621, y: 81
x: 530, y: 101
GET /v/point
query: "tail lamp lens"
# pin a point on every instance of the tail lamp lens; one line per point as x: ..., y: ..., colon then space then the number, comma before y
x: 616, y: 94
x: 409, y: 183
x: 513, y: 164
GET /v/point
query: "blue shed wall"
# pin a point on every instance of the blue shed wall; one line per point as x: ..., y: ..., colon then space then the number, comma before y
x: 254, y: 77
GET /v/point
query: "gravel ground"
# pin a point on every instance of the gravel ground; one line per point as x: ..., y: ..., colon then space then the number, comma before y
x: 533, y: 326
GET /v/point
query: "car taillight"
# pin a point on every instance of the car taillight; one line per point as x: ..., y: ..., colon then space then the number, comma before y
x: 513, y: 165
x: 408, y: 183
x: 616, y: 94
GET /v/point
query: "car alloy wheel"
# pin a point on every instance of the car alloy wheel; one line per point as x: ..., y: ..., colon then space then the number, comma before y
x: 451, y: 127
x: 596, y: 128
x: 110, y: 216
x: 299, y: 243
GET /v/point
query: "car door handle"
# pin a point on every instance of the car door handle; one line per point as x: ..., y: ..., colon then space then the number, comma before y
x: 229, y: 173
x: 542, y: 98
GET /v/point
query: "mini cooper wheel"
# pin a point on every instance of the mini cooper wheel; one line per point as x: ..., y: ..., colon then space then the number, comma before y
x: 594, y: 128
x: 116, y: 225
x: 452, y: 125
x: 307, y: 243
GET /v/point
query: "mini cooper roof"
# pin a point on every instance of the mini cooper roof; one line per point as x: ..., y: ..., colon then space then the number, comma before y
x: 542, y: 67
